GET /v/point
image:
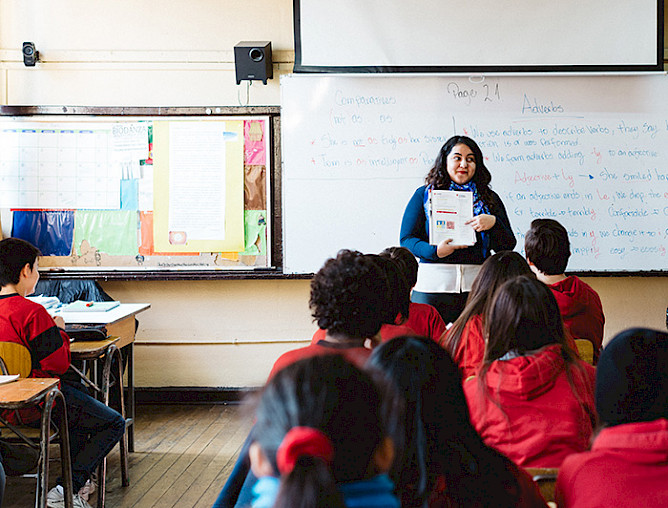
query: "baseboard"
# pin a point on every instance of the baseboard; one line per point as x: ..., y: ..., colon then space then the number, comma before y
x: 191, y: 395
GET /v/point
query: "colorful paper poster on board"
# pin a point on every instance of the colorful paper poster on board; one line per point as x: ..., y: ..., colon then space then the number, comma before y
x: 255, y: 150
x: 256, y: 232
x: 198, y: 186
x: 112, y: 232
x: 51, y: 231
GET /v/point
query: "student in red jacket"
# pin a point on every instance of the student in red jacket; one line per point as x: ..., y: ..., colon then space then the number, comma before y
x: 547, y: 251
x: 627, y: 465
x: 464, y: 340
x: 444, y: 462
x: 397, y: 298
x: 422, y: 318
x: 533, y: 398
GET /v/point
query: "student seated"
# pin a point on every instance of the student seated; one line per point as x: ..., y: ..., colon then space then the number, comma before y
x: 533, y: 398
x: 464, y: 340
x: 444, y: 462
x: 94, y: 428
x: 422, y: 318
x: 397, y: 302
x: 627, y: 465
x: 321, y: 439
x: 547, y: 251
x: 351, y: 298
x: 349, y: 301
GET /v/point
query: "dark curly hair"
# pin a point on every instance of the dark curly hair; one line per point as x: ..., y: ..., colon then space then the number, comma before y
x: 439, y: 178
x: 349, y: 295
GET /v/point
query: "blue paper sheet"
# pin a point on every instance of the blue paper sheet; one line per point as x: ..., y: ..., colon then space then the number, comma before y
x: 51, y: 231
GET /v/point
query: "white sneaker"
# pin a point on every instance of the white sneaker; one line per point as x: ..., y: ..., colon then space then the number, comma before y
x: 87, y: 489
x: 55, y: 498
x: 78, y: 502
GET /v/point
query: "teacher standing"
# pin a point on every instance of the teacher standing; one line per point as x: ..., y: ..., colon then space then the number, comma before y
x: 446, y: 271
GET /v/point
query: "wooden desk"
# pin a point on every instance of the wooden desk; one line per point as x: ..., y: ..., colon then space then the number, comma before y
x: 120, y: 322
x: 26, y: 392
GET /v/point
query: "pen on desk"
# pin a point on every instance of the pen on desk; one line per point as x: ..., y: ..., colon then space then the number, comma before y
x: 89, y: 304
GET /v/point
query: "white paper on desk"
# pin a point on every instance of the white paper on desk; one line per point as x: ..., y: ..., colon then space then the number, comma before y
x: 450, y: 210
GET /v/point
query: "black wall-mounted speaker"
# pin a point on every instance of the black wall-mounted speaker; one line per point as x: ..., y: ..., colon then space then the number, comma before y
x: 252, y: 61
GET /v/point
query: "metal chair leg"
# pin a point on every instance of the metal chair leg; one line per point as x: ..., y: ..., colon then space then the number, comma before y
x: 65, y: 457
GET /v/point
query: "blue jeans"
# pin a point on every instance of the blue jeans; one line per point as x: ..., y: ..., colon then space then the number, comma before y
x: 94, y: 430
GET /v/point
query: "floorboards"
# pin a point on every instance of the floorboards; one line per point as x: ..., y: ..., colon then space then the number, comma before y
x: 183, y: 455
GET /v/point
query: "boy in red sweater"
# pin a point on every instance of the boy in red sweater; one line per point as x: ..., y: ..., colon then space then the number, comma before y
x: 547, y: 250
x: 94, y: 428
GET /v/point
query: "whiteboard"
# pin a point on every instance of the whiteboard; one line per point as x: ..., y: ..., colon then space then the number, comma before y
x: 393, y: 35
x: 591, y: 152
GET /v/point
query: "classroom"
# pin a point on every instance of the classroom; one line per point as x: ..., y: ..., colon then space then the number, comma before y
x: 211, y: 338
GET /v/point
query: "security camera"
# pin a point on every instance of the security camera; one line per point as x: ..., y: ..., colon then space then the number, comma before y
x: 30, y: 54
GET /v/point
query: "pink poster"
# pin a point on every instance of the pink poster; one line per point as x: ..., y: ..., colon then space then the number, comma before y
x: 254, y: 142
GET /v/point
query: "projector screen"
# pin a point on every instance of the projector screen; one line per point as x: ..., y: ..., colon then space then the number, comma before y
x: 478, y: 35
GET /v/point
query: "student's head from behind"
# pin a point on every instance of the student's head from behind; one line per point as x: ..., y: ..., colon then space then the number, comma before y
x: 398, y: 292
x: 523, y: 317
x: 439, y: 176
x: 320, y: 421
x: 18, y: 264
x: 406, y: 261
x: 349, y: 295
x: 632, y: 378
x: 547, y: 247
x: 496, y: 270
x: 439, y: 439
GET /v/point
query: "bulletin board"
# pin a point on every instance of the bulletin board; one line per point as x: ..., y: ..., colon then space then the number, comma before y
x: 143, y: 192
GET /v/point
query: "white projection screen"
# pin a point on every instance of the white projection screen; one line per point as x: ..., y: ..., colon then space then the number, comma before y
x: 478, y: 35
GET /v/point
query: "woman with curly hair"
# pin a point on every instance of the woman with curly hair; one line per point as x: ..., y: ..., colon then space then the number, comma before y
x: 446, y: 270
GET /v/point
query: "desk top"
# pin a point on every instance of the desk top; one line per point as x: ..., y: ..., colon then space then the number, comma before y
x: 103, y: 318
x: 25, y: 390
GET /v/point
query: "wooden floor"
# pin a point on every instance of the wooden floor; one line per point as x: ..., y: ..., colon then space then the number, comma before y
x: 183, y: 454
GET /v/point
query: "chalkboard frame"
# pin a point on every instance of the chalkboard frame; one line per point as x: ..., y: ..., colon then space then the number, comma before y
x: 274, y: 197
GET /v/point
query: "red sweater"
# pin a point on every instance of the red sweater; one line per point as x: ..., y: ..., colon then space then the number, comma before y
x: 626, y: 467
x: 425, y: 320
x: 355, y: 355
x: 581, y: 310
x: 387, y: 332
x: 471, y: 349
x: 542, y: 421
x: 29, y: 324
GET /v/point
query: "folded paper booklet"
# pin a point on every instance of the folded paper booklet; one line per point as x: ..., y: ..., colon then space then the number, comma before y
x: 8, y: 378
x: 449, y: 212
x: 83, y: 306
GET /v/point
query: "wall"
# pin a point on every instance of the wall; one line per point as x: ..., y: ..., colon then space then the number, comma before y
x: 136, y: 52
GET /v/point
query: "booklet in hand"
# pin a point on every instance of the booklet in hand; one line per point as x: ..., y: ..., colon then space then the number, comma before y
x: 83, y: 306
x: 450, y: 210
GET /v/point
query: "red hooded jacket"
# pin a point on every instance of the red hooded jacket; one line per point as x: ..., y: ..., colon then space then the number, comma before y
x: 541, y: 420
x: 581, y: 310
x: 626, y: 467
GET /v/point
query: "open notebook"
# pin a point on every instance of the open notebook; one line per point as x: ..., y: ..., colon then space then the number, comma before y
x: 82, y: 306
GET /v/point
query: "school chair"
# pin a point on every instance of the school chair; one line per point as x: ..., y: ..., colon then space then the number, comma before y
x: 103, y: 350
x: 585, y: 350
x: 42, y: 393
x: 546, y: 478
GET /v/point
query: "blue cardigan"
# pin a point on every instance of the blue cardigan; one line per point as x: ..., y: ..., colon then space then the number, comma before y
x: 414, y: 235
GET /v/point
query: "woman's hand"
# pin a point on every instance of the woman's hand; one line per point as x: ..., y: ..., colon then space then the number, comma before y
x: 445, y: 249
x: 482, y: 222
